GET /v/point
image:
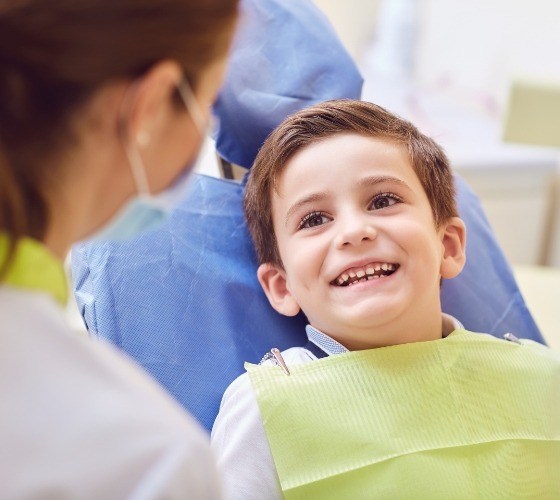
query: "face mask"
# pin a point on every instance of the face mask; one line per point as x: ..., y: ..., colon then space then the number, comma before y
x: 145, y: 211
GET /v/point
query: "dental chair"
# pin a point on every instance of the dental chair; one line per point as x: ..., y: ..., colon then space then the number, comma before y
x: 184, y: 301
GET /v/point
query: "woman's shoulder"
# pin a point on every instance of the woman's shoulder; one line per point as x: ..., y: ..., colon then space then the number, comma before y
x: 75, y: 369
x: 82, y: 405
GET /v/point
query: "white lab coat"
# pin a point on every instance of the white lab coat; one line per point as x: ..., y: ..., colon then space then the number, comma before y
x: 79, y: 420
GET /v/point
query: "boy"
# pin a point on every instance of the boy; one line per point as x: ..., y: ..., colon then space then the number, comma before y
x: 354, y: 220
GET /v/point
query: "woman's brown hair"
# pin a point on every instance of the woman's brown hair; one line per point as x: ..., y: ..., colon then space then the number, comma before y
x: 325, y: 120
x: 54, y: 54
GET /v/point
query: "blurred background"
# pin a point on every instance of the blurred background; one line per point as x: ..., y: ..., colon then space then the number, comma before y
x: 483, y: 78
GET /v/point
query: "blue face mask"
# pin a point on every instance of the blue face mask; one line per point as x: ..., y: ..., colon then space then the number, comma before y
x: 146, y: 211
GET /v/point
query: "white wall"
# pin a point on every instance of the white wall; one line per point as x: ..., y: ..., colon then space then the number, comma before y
x: 353, y: 20
x: 483, y: 44
x: 473, y: 50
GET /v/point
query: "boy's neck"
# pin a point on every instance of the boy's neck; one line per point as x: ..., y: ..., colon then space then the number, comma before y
x: 438, y: 326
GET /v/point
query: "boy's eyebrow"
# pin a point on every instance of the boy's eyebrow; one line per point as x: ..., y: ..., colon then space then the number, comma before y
x: 379, y: 179
x: 312, y: 198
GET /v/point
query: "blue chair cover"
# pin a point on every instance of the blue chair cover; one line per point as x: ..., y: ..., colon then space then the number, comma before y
x: 184, y: 300
x: 286, y: 57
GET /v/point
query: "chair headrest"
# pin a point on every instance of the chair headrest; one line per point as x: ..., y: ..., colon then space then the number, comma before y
x: 286, y: 56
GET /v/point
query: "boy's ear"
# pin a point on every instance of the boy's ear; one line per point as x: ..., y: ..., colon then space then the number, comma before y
x: 273, y: 280
x: 454, y: 240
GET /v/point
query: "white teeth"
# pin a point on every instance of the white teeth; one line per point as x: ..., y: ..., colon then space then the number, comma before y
x: 352, y: 277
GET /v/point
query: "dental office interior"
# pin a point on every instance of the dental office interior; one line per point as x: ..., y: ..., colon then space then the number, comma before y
x: 483, y: 79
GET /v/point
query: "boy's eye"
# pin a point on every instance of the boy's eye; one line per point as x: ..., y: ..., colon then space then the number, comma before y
x: 384, y: 200
x: 313, y: 219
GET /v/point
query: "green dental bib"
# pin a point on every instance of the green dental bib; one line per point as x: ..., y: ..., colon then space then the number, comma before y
x: 468, y: 416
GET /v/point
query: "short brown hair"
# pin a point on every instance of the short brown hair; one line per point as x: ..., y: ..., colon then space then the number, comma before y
x: 325, y: 120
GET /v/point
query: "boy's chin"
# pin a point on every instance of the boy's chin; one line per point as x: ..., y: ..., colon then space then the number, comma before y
x: 373, y: 311
x: 368, y: 322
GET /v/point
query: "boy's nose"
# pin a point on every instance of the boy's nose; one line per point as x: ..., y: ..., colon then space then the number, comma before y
x: 355, y: 232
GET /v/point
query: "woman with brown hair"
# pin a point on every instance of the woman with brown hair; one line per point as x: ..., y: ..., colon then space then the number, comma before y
x: 102, y: 104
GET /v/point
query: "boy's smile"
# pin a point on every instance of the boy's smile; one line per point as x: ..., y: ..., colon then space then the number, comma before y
x: 369, y: 271
x: 361, y: 254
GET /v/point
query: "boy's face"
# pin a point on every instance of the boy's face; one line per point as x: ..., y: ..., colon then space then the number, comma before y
x: 362, y: 256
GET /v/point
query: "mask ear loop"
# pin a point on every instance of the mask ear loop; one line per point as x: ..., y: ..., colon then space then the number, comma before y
x: 193, y: 107
x: 132, y: 152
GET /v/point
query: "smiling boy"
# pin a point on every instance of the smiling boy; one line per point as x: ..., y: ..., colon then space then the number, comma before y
x: 353, y: 215
x: 360, y: 252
